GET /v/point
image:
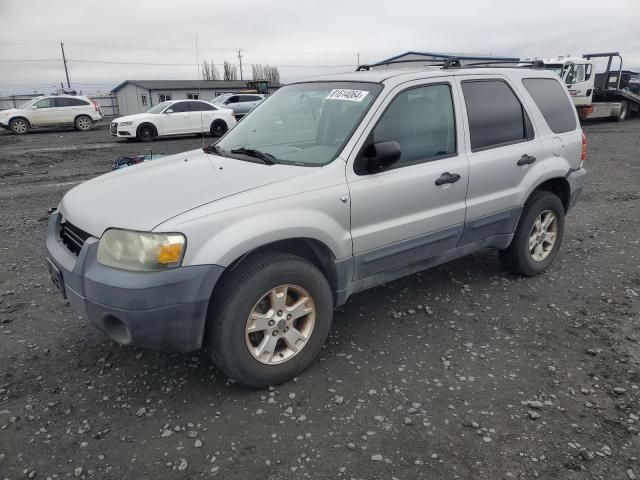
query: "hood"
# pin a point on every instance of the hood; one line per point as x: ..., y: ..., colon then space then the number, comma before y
x: 134, y: 117
x: 146, y: 195
x: 8, y: 112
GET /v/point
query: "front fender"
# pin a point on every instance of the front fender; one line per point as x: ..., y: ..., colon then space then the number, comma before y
x: 247, y: 234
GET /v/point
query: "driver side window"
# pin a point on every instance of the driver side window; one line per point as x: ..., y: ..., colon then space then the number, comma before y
x: 45, y: 103
x: 422, y: 121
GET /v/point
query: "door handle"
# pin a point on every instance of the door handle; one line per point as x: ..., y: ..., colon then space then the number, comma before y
x: 526, y: 159
x: 447, y: 177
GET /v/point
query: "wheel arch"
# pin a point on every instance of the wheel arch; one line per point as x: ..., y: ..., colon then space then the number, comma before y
x: 145, y: 123
x: 558, y: 186
x: 311, y: 249
x: 75, y: 119
x: 20, y: 117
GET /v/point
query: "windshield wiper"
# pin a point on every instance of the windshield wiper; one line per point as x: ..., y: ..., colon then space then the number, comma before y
x: 267, y: 158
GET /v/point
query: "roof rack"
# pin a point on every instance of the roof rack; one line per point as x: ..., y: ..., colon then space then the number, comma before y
x: 454, y: 62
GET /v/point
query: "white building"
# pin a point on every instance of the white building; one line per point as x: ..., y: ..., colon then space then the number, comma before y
x: 136, y: 96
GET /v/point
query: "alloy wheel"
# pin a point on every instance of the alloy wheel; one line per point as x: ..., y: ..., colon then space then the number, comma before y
x: 280, y: 324
x: 543, y: 235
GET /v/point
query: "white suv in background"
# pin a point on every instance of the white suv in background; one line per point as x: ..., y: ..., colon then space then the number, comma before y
x: 53, y: 110
x: 177, y: 117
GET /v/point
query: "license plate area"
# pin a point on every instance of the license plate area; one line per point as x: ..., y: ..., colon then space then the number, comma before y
x: 56, y: 277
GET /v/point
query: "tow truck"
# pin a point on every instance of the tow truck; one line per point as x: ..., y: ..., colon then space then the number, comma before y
x: 598, y: 95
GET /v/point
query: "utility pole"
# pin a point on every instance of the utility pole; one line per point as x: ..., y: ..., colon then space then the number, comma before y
x: 358, y: 54
x: 240, y: 60
x: 64, y: 60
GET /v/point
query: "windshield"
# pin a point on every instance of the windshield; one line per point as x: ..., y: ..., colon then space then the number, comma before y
x: 303, y: 124
x: 556, y: 68
x: 159, y: 108
x: 30, y: 102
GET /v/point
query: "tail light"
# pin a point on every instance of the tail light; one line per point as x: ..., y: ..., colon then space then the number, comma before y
x: 583, y: 155
x: 96, y: 105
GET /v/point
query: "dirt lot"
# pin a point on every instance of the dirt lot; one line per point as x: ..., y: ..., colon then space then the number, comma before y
x: 463, y: 371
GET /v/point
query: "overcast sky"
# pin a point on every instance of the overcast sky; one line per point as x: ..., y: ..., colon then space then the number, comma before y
x: 107, y: 42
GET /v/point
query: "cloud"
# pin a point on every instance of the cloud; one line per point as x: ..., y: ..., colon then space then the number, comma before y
x: 109, y: 42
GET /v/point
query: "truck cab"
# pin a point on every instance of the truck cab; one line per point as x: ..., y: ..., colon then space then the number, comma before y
x: 578, y: 74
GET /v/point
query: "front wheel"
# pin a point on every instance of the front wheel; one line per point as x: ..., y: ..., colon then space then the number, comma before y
x: 623, y: 112
x: 146, y: 133
x: 269, y: 320
x: 538, y: 236
x: 19, y: 126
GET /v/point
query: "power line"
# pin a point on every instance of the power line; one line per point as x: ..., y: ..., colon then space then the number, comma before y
x: 114, y: 62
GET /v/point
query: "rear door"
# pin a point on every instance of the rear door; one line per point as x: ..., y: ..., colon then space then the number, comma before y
x: 402, y: 215
x: 505, y: 155
x: 201, y: 116
x: 67, y: 109
x: 176, y: 119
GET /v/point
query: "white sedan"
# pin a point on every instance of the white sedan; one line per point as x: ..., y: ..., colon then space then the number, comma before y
x: 177, y: 117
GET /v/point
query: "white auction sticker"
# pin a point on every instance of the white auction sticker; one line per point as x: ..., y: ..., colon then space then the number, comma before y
x: 347, y: 94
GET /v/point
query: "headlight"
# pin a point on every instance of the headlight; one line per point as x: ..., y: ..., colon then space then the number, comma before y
x: 140, y: 251
x: 125, y: 124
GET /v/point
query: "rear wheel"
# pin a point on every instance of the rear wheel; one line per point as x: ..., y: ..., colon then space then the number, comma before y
x: 19, y: 126
x: 538, y: 236
x: 146, y: 133
x: 269, y: 320
x: 218, y: 128
x: 84, y: 123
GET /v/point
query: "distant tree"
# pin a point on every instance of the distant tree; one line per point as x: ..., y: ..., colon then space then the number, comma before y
x: 209, y: 71
x: 266, y: 72
x: 230, y: 71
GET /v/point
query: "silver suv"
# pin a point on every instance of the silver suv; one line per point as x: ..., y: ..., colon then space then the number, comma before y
x: 240, y: 103
x: 326, y: 189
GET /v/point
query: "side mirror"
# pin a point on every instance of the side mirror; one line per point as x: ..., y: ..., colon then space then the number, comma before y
x: 33, y: 107
x: 379, y: 156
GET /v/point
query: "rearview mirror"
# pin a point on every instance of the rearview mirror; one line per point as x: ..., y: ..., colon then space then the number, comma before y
x: 379, y: 156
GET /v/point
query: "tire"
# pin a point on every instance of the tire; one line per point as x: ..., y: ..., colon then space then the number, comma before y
x: 146, y: 133
x: 20, y: 126
x: 83, y: 123
x: 623, y: 113
x: 218, y: 128
x: 519, y: 257
x: 245, y: 290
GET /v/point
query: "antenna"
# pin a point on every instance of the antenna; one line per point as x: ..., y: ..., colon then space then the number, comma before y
x: 198, y: 77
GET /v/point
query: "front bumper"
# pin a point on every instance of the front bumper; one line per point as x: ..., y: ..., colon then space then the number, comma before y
x: 577, y: 180
x: 127, y: 131
x: 163, y: 310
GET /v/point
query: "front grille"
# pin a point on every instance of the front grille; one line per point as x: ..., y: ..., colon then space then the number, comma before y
x: 114, y: 128
x: 72, y: 237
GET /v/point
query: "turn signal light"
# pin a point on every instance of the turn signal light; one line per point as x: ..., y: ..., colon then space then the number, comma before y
x: 583, y: 155
x: 169, y: 253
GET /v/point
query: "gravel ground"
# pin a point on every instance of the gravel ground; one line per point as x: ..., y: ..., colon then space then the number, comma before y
x: 463, y: 371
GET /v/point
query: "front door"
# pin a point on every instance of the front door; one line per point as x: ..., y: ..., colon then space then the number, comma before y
x: 414, y: 209
x: 505, y: 157
x: 580, y: 82
x: 176, y: 119
x: 44, y: 112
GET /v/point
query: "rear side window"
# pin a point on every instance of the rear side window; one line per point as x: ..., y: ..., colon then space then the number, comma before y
x: 496, y: 116
x: 551, y: 99
x: 201, y: 107
x: 70, y: 102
